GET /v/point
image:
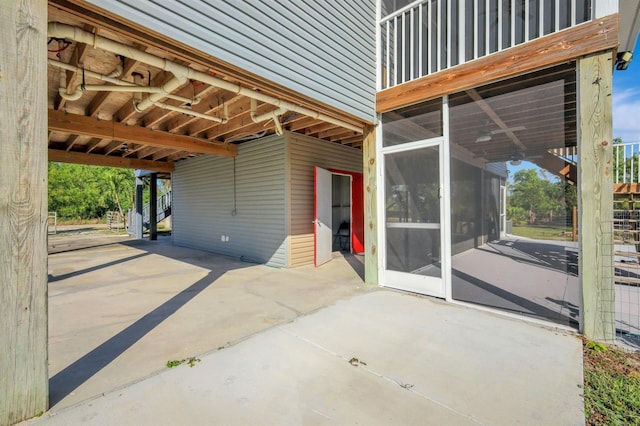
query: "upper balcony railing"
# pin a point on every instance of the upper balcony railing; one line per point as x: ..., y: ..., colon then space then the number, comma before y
x: 427, y: 36
x: 626, y: 162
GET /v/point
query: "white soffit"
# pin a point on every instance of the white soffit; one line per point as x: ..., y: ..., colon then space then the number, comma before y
x: 629, y: 24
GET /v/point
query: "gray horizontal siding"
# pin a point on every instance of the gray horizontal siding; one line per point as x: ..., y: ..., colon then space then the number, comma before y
x: 324, y: 50
x: 203, y: 203
x: 499, y: 169
x: 305, y: 153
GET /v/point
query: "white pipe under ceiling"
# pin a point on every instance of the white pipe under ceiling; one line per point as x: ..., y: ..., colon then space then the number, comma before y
x: 181, y: 74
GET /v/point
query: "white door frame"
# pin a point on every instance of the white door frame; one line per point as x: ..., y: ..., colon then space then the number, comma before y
x: 408, y: 283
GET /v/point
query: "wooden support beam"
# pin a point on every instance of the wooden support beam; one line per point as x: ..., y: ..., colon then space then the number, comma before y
x: 369, y: 168
x: 24, y: 379
x: 109, y: 161
x: 553, y: 49
x: 595, y: 198
x: 82, y: 125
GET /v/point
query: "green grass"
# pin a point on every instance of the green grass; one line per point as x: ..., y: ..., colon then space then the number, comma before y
x: 611, y: 386
x: 542, y: 232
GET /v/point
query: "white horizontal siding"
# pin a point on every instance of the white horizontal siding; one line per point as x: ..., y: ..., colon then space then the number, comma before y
x: 324, y: 50
x: 305, y: 153
x: 203, y: 203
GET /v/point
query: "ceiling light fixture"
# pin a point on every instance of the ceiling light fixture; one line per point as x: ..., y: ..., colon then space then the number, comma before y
x: 486, y: 135
x: 516, y: 159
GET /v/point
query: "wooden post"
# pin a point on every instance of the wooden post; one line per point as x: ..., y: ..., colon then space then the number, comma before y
x: 23, y: 211
x: 595, y: 197
x: 153, y: 207
x: 574, y: 224
x: 139, y: 206
x: 370, y: 206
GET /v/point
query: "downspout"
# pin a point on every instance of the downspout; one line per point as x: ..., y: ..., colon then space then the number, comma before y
x: 182, y: 73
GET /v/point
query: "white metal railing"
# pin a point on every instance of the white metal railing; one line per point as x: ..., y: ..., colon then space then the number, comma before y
x: 626, y: 162
x: 428, y: 36
x: 568, y: 154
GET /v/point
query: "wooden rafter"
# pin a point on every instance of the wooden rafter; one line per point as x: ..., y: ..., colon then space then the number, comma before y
x: 101, y: 98
x: 241, y: 123
x: 146, y: 152
x: 82, y: 125
x: 71, y: 141
x: 237, y: 107
x: 320, y: 127
x: 301, y: 123
x: 93, y: 143
x: 159, y: 115
x: 128, y: 110
x: 335, y: 131
x: 112, y: 146
x: 110, y: 161
x: 213, y: 104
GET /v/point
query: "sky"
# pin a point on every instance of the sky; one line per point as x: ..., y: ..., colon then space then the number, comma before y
x: 626, y: 100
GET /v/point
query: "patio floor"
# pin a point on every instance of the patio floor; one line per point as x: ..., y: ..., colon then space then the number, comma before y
x: 304, y: 345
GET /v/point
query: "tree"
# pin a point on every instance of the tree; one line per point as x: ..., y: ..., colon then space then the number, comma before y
x: 534, y: 196
x: 87, y: 192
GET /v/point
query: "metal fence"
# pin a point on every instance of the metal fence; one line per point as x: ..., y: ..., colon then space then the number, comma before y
x: 626, y: 266
x: 115, y: 221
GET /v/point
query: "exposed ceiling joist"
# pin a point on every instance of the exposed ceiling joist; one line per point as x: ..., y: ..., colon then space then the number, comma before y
x: 101, y: 98
x: 473, y: 94
x: 102, y: 160
x: 82, y: 125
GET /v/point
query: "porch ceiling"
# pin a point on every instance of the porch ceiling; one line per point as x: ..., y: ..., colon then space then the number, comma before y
x: 525, y: 117
x: 105, y: 128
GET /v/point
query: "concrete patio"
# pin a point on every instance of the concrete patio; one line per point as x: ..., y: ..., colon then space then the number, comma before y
x: 297, y: 346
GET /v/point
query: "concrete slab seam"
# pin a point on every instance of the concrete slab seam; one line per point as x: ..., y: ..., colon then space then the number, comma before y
x: 382, y: 376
